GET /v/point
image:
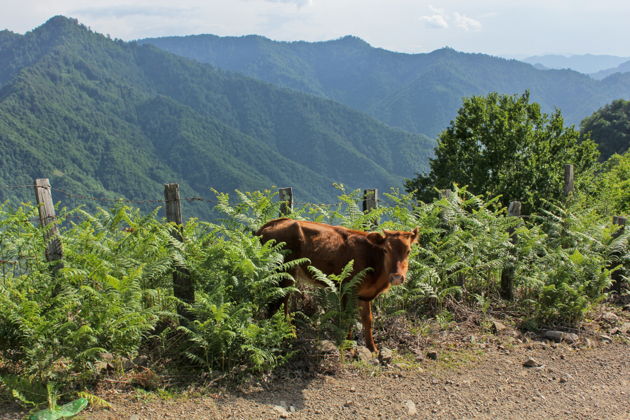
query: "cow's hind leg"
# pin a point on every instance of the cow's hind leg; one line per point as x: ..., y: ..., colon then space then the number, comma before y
x: 366, y: 320
x: 274, y: 305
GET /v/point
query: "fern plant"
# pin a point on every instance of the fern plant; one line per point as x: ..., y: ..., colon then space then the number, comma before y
x: 338, y: 299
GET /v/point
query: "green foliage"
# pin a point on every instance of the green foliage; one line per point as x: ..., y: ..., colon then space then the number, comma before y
x: 501, y: 145
x: 609, y: 188
x: 114, y: 294
x: 564, y: 264
x: 102, y: 301
x: 237, y: 278
x: 111, y: 120
x: 70, y: 409
x: 338, y: 300
x: 609, y: 127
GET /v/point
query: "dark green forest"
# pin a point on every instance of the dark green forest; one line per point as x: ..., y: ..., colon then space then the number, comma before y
x: 416, y: 92
x: 106, y: 118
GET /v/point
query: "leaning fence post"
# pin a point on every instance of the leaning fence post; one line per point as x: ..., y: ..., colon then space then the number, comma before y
x: 286, y: 201
x: 183, y: 287
x: 47, y: 219
x: 507, y: 275
x: 370, y: 202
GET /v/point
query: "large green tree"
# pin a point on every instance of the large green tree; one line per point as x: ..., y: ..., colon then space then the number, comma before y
x: 609, y: 126
x: 504, y: 145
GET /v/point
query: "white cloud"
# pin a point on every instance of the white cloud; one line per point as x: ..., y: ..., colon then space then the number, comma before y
x: 441, y: 19
x: 435, y: 21
x: 299, y: 3
x: 466, y: 23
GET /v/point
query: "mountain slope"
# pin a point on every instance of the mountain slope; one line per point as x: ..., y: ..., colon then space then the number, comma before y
x: 415, y: 92
x: 621, y: 68
x: 108, y: 119
x: 583, y: 63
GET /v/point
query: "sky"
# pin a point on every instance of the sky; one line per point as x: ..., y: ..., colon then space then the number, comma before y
x: 497, y: 27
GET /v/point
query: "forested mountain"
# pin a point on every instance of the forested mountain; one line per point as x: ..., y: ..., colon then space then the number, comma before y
x: 416, y: 92
x: 107, y: 118
x: 584, y: 63
x: 621, y: 68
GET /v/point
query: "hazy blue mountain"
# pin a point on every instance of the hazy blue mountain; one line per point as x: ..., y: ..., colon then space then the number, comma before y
x: 107, y: 118
x: 584, y: 63
x: 415, y: 92
x: 621, y: 68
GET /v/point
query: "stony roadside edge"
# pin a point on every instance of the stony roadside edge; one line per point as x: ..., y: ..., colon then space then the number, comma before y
x: 501, y: 377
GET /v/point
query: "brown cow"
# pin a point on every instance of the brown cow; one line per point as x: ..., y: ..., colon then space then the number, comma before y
x: 330, y: 248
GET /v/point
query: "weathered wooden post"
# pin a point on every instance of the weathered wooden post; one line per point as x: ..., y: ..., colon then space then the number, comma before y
x: 370, y: 202
x: 507, y: 275
x: 183, y: 287
x: 617, y: 276
x: 568, y: 179
x: 286, y: 201
x: 48, y: 220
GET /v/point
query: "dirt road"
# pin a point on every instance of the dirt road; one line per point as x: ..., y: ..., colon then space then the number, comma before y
x: 592, y: 383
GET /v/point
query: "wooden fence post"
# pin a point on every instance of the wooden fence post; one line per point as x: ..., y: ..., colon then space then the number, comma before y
x: 568, y: 179
x: 183, y: 287
x: 47, y: 219
x: 286, y: 201
x: 617, y: 276
x: 370, y: 202
x: 507, y: 275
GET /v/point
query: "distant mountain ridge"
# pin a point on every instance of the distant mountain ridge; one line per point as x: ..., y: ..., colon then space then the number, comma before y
x: 621, y: 68
x: 108, y: 119
x: 416, y: 92
x: 583, y: 63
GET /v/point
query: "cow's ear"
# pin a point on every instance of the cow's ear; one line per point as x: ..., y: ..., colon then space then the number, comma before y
x: 376, y: 238
x: 415, y: 236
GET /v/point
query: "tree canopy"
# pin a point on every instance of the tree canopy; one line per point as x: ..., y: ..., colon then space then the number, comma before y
x: 609, y: 126
x: 503, y: 145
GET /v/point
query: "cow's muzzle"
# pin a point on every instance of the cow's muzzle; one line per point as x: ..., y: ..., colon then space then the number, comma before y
x: 396, y: 279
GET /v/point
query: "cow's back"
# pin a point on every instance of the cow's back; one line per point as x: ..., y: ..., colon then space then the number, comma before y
x: 329, y: 248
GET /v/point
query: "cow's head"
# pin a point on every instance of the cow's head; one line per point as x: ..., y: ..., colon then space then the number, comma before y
x: 396, y: 245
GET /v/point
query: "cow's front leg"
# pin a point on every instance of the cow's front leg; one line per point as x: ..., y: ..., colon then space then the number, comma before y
x: 366, y: 320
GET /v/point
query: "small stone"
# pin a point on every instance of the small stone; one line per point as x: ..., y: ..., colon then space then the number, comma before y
x: 327, y: 346
x: 532, y: 363
x: 610, y: 317
x: 561, y: 336
x: 605, y: 339
x: 565, y: 378
x: 134, y: 417
x: 625, y: 328
x: 433, y: 355
x: 348, y: 403
x: 363, y: 354
x: 386, y: 355
x: 411, y: 407
x: 497, y: 327
x: 292, y: 409
x: 107, y: 357
x: 282, y: 411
